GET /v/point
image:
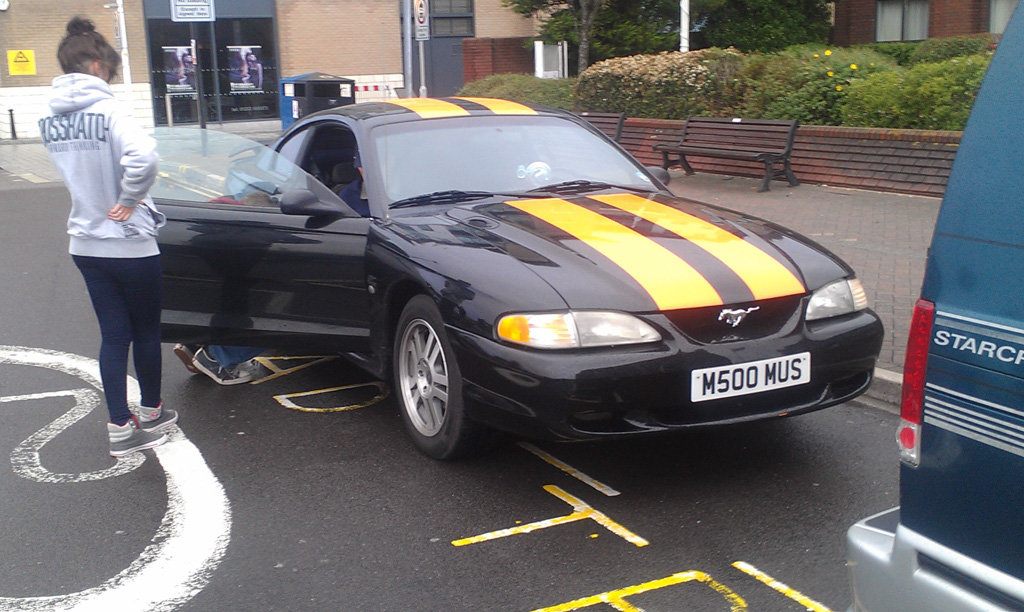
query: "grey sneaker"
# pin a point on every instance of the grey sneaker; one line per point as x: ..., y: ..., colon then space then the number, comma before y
x: 186, y: 353
x: 131, y: 438
x: 207, y: 365
x: 157, y: 419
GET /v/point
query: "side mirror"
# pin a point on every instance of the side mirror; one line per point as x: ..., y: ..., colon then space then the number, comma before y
x: 305, y: 202
x: 660, y: 173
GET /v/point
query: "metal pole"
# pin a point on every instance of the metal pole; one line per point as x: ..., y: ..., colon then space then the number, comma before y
x: 423, y: 73
x: 684, y: 25
x: 126, y: 64
x: 200, y: 97
x: 14, y: 132
x: 216, y: 74
x: 170, y: 114
x: 407, y: 46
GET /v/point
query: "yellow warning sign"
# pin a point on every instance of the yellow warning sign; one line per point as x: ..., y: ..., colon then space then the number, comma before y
x: 21, y: 62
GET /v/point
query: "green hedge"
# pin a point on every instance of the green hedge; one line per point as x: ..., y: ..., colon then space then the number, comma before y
x: 935, y: 96
x: 523, y: 88
x: 880, y: 85
x: 669, y: 85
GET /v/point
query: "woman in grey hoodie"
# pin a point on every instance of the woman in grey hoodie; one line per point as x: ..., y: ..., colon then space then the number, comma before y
x: 108, y: 164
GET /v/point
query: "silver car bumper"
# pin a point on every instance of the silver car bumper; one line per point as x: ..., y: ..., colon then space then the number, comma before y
x: 894, y: 568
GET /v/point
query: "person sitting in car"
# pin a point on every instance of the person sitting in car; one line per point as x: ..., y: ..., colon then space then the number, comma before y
x: 354, y: 194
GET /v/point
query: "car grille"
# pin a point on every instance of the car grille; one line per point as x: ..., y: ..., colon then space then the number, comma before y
x: 703, y: 325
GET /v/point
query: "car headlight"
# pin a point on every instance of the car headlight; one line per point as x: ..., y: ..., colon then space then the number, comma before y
x: 838, y: 298
x: 581, y: 329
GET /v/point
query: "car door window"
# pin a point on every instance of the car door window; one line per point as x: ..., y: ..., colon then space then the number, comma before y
x: 217, y: 169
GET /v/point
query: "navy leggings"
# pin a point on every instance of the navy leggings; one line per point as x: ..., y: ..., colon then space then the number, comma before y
x: 126, y: 297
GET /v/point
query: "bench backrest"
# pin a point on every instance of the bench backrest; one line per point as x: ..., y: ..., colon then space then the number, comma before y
x: 764, y: 134
x: 609, y: 123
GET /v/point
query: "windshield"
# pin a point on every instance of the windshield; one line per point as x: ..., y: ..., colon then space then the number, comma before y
x: 216, y: 167
x: 498, y: 154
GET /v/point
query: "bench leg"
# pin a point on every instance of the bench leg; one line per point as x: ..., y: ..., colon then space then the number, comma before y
x: 685, y: 165
x: 766, y: 181
x: 793, y: 182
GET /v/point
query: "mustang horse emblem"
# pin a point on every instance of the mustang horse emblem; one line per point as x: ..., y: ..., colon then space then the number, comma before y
x: 735, y: 317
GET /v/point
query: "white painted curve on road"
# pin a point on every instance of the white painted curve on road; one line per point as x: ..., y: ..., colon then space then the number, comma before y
x: 192, y: 537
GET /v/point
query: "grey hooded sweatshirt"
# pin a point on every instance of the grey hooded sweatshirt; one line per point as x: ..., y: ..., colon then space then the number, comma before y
x: 105, y: 158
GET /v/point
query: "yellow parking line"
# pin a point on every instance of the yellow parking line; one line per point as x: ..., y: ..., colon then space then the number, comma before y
x: 568, y: 469
x: 382, y: 392
x: 581, y: 511
x: 791, y: 593
x: 268, y: 362
x: 616, y: 599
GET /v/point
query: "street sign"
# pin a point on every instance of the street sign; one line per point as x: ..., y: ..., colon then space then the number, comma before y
x: 21, y: 62
x: 192, y: 10
x: 422, y: 20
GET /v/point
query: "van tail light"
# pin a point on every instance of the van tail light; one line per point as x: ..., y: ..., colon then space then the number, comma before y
x: 908, y: 435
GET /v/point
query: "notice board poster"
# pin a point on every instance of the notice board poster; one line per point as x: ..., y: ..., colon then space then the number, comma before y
x: 179, y: 70
x: 245, y: 68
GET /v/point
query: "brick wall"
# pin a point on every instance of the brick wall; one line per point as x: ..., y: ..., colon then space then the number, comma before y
x: 40, y: 26
x: 483, y: 57
x: 903, y: 161
x: 855, y: 20
x: 492, y: 19
x: 342, y: 37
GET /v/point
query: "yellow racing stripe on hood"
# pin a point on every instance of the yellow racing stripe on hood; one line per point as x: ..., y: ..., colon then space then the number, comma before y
x: 501, y: 107
x: 671, y: 282
x: 429, y: 108
x: 762, y: 273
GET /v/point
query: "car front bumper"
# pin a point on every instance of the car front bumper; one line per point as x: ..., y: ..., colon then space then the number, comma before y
x: 646, y: 388
x: 894, y: 568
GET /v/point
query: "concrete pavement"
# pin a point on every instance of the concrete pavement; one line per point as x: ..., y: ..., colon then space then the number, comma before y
x: 883, y: 236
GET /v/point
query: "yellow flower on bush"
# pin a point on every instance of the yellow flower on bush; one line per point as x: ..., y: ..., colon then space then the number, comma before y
x: 816, y: 55
x: 853, y: 66
x: 839, y: 87
x: 828, y: 51
x: 830, y: 73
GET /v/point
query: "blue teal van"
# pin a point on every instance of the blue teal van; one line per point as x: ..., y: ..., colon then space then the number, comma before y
x: 956, y: 542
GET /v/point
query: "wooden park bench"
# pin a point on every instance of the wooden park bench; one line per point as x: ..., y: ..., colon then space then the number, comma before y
x: 767, y: 141
x: 609, y: 123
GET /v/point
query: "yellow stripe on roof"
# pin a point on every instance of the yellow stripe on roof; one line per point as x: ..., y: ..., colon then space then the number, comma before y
x: 671, y: 282
x: 763, y: 274
x: 501, y: 107
x: 429, y: 108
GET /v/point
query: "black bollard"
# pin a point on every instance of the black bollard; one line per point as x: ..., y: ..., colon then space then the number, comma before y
x: 14, y: 132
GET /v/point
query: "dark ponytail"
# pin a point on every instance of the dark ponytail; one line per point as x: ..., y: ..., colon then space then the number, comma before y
x: 83, y: 45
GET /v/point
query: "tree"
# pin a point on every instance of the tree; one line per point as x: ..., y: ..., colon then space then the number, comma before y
x: 762, y: 25
x: 582, y: 13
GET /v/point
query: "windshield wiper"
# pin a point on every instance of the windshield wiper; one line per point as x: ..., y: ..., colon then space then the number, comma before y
x: 442, y: 197
x: 583, y: 186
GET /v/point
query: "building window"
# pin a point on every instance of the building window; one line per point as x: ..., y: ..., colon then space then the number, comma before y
x: 901, y: 20
x: 451, y: 18
x: 999, y: 12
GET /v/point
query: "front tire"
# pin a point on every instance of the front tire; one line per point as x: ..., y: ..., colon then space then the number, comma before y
x: 428, y: 385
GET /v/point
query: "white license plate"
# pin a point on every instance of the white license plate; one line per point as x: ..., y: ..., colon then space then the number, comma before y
x: 750, y: 377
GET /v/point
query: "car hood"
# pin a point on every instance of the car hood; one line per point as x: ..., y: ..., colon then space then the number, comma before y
x: 642, y: 254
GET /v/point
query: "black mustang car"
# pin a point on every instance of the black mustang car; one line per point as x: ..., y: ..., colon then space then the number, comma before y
x: 517, y: 270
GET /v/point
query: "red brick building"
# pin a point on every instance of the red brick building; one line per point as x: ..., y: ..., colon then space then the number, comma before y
x: 865, y: 21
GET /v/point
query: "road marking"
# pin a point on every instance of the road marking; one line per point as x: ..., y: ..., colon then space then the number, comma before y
x: 268, y: 362
x: 191, y: 539
x: 581, y: 511
x: 568, y: 469
x: 382, y: 392
x: 791, y: 593
x: 25, y: 457
x: 616, y: 599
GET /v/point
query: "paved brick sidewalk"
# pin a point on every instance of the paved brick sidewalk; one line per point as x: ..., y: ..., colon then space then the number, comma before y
x: 883, y: 236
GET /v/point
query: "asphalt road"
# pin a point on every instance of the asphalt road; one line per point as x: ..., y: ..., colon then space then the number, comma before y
x: 261, y: 502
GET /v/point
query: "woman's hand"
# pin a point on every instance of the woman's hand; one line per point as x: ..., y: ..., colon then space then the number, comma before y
x: 120, y: 213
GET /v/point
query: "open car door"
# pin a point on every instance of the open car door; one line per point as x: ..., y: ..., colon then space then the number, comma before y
x: 237, y: 268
